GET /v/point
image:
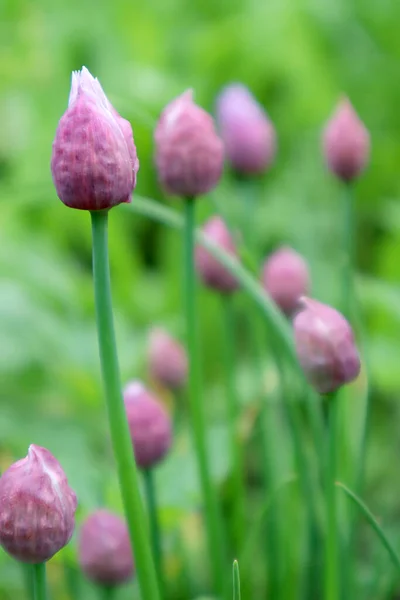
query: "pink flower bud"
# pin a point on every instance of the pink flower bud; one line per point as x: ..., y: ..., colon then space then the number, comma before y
x: 285, y: 278
x: 105, y: 554
x: 94, y: 162
x: 248, y: 134
x: 189, y: 154
x: 37, y: 507
x: 149, y: 424
x: 346, y: 143
x: 325, y: 346
x: 167, y: 360
x: 211, y: 271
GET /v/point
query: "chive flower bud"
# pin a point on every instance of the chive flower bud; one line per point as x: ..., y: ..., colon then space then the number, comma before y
x: 285, y: 277
x: 346, y: 143
x: 189, y: 153
x: 37, y: 516
x: 325, y: 346
x: 149, y: 425
x: 104, y: 548
x: 167, y: 360
x: 213, y: 274
x: 249, y: 136
x: 94, y: 162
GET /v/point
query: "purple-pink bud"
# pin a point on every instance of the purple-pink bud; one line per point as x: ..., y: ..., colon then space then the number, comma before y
x: 211, y: 271
x: 248, y: 134
x: 346, y: 143
x: 325, y: 346
x: 37, y: 515
x: 105, y: 554
x: 149, y: 424
x: 94, y: 161
x: 167, y: 359
x: 285, y: 278
x: 189, y: 154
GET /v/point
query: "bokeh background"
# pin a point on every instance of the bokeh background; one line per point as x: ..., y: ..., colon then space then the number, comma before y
x: 298, y: 57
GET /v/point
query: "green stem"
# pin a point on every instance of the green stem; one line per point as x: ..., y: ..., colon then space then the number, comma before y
x: 332, y: 583
x: 374, y: 524
x: 107, y: 592
x: 236, y: 581
x: 213, y: 519
x: 39, y: 581
x: 149, y: 484
x: 120, y: 437
x: 233, y: 417
x: 349, y: 258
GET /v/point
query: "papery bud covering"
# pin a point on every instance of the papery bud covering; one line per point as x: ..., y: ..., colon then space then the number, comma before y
x: 105, y: 554
x: 94, y: 161
x: 37, y: 516
x: 211, y: 271
x: 149, y: 424
x: 346, y: 143
x: 167, y: 359
x: 249, y: 136
x: 285, y: 277
x: 189, y: 153
x: 325, y: 346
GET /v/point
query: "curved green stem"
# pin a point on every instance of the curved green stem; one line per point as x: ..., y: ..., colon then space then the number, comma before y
x: 150, y: 490
x: 120, y: 437
x: 373, y: 522
x: 212, y: 513
x: 39, y: 581
x: 236, y: 581
x: 332, y: 580
x: 233, y: 416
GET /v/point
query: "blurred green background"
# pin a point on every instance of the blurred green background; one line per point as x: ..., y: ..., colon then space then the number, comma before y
x: 298, y: 57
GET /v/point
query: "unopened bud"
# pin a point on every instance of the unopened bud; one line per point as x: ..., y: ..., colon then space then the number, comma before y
x: 285, y: 278
x: 167, y: 359
x: 211, y: 271
x: 346, y: 143
x: 325, y: 346
x: 105, y: 554
x: 94, y: 161
x: 37, y: 514
x: 248, y: 135
x: 149, y: 424
x: 189, y: 154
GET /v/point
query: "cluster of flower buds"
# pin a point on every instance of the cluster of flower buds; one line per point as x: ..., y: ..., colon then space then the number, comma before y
x: 105, y: 554
x: 167, y: 359
x: 149, y: 425
x: 213, y: 274
x: 37, y: 516
x: 248, y: 134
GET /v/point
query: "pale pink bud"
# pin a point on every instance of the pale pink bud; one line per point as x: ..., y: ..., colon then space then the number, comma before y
x: 325, y: 346
x: 189, y: 154
x: 211, y: 271
x: 94, y: 161
x: 248, y: 135
x: 346, y: 143
x: 285, y: 278
x: 167, y: 359
x: 37, y: 515
x: 149, y: 424
x: 105, y: 554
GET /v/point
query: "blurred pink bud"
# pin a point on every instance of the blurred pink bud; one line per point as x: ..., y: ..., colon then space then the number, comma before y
x: 325, y: 346
x: 149, y: 424
x: 105, y: 554
x: 167, y: 359
x: 94, y: 161
x: 285, y: 278
x: 37, y: 516
x: 248, y: 134
x: 189, y: 154
x: 211, y: 271
x: 346, y: 143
